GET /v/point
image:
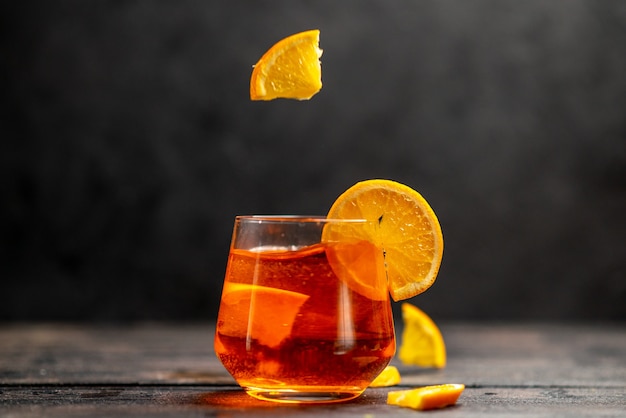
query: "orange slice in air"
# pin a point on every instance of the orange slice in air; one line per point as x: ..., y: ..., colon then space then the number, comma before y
x: 401, y: 223
x: 246, y: 313
x: 427, y: 397
x: 290, y: 69
x: 422, y: 343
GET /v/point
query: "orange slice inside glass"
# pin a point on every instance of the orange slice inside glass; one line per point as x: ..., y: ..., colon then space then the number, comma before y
x: 422, y: 343
x: 242, y: 317
x: 427, y: 397
x: 402, y: 224
x: 290, y: 69
x: 390, y: 376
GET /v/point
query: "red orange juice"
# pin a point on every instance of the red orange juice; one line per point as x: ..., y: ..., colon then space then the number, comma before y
x: 293, y: 327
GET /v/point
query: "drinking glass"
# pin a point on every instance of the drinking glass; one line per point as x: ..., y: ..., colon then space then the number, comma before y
x: 305, y: 315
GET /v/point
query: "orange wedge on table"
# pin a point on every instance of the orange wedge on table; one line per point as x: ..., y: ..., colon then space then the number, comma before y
x: 403, y: 226
x: 422, y: 343
x: 390, y: 376
x: 290, y: 69
x: 427, y: 397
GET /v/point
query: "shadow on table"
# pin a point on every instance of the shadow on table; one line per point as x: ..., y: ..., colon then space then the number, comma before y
x: 237, y: 399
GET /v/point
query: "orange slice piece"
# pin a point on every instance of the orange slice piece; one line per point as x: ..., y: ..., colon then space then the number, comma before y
x: 390, y: 376
x: 261, y: 313
x: 427, y: 397
x: 290, y: 69
x: 359, y: 264
x: 422, y: 343
x: 402, y: 224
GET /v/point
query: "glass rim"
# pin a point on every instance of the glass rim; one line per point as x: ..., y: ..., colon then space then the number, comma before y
x: 296, y: 219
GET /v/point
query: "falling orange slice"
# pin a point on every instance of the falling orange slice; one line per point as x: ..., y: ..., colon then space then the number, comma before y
x: 402, y: 224
x: 427, y: 397
x: 390, y: 376
x: 290, y: 69
x: 422, y: 343
x: 245, y: 312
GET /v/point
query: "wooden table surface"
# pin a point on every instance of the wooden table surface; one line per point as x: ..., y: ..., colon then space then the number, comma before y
x: 171, y: 370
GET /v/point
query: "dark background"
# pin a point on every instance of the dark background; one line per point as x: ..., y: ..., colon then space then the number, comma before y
x: 128, y: 145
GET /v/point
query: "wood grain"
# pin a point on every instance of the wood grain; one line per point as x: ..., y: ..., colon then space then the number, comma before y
x: 171, y: 370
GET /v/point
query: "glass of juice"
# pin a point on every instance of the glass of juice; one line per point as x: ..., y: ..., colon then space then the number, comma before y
x: 305, y: 315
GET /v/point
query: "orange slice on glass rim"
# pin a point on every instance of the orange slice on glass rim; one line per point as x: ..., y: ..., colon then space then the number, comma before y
x: 402, y: 224
x: 427, y: 397
x: 358, y: 263
x: 290, y: 69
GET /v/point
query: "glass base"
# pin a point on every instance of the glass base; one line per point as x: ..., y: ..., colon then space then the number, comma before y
x: 305, y: 395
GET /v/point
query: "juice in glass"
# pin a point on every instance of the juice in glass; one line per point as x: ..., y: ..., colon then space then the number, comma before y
x: 302, y: 319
